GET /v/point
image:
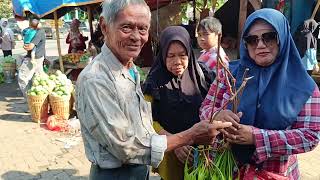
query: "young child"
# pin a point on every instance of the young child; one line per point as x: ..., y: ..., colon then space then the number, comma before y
x: 28, y: 35
x: 208, y: 32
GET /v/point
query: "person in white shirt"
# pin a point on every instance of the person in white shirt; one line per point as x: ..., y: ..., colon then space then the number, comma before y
x: 7, y: 38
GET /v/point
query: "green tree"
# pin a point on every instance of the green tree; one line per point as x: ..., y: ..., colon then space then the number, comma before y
x: 200, y: 6
x: 6, y: 9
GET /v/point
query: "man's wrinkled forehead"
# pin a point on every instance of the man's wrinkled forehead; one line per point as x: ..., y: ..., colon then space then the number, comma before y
x: 143, y: 11
x: 259, y: 25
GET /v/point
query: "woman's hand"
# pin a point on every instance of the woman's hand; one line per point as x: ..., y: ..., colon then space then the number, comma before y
x: 229, y: 116
x: 182, y: 154
x: 244, y: 135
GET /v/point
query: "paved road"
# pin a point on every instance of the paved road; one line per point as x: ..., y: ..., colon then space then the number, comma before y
x: 51, y: 48
x: 30, y: 152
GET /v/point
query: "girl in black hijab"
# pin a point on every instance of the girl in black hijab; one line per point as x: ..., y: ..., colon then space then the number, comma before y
x: 176, y: 84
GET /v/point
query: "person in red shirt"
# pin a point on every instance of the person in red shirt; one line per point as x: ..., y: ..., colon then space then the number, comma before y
x: 75, y: 38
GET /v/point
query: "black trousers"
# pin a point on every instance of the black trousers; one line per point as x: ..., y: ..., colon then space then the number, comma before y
x: 125, y: 172
x: 7, y: 53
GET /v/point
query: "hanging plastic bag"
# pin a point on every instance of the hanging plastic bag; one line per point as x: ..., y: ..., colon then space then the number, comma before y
x: 309, y: 60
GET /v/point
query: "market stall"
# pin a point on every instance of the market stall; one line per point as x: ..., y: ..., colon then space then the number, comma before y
x: 47, y: 9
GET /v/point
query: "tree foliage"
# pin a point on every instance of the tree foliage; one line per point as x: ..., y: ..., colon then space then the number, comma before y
x: 6, y: 9
x: 200, y: 6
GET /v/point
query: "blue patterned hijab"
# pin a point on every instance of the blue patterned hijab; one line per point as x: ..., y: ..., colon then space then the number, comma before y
x: 275, y: 96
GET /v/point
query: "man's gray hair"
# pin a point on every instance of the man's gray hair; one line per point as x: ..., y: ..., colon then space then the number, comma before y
x: 210, y: 24
x: 111, y: 8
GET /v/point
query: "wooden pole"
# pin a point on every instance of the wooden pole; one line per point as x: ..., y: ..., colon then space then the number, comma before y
x: 214, y: 2
x: 90, y: 20
x: 194, y: 11
x: 315, y: 10
x: 242, y: 18
x: 58, y: 40
x: 256, y: 4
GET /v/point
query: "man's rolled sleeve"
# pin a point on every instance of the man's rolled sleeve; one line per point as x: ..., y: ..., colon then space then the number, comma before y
x: 158, y: 147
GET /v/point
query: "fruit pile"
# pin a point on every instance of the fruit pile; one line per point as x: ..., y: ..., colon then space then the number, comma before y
x: 41, y: 84
x: 72, y: 57
x: 9, y: 59
x: 85, y: 57
x: 63, y: 85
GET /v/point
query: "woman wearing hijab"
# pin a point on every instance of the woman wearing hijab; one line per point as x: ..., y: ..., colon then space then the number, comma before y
x: 279, y: 111
x: 77, y: 44
x: 7, y: 39
x: 177, y: 86
x: 75, y: 38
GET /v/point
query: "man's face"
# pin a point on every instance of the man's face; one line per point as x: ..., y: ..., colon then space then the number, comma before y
x: 127, y: 35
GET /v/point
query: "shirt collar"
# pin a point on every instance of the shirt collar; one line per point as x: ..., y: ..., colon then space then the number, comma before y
x: 114, y: 64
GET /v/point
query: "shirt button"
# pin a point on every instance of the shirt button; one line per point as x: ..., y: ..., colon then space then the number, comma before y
x: 259, y: 105
x: 129, y: 132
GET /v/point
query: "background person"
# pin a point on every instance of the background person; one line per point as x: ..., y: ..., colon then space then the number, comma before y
x: 28, y: 35
x: 97, y: 39
x: 116, y: 121
x: 28, y: 68
x: 76, y: 40
x: 208, y: 32
x: 279, y: 111
x: 7, y: 39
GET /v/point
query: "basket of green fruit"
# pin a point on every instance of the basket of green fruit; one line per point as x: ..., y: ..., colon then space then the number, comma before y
x: 38, y: 97
x: 38, y: 105
x: 9, y: 68
x: 60, y: 97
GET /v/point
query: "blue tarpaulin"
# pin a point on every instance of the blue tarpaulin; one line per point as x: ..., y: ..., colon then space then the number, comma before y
x: 45, y: 8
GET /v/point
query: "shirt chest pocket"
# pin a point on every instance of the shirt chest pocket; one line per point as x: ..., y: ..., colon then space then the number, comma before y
x: 126, y: 90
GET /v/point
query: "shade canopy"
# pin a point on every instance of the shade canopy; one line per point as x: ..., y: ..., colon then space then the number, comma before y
x: 45, y: 8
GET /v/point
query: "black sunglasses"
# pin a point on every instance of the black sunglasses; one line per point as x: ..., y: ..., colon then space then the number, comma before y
x: 267, y: 38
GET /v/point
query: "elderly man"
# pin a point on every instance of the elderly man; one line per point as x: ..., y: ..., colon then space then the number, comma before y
x: 116, y: 121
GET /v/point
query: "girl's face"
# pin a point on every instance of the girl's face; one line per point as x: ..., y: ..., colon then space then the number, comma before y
x: 177, y: 59
x: 5, y: 23
x: 207, y: 40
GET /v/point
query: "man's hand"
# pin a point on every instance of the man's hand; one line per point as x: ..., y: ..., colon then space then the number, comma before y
x: 202, y: 132
x: 244, y: 135
x: 205, y: 132
x: 29, y: 47
x: 182, y: 154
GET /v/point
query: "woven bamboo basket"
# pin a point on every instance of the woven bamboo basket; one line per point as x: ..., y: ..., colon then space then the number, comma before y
x: 9, y: 66
x: 60, y: 106
x: 38, y: 106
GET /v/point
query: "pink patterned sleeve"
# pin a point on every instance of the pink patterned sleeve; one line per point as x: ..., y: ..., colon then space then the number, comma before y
x: 303, y: 135
x: 222, y: 96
